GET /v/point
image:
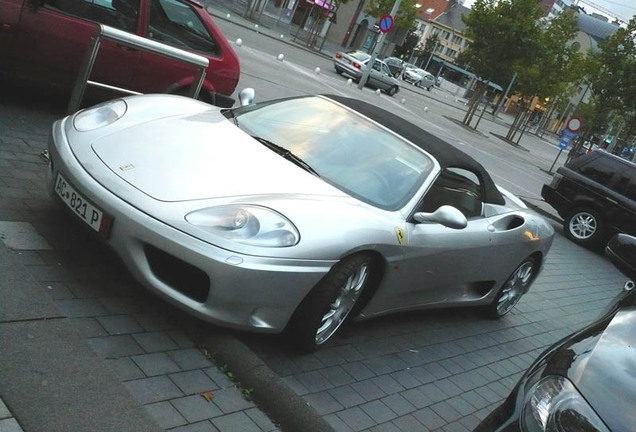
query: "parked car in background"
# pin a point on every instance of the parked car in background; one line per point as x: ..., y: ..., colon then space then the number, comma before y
x: 586, y: 381
x: 595, y: 194
x: 335, y: 208
x: 354, y: 64
x: 419, y: 77
x: 395, y: 65
x: 45, y: 41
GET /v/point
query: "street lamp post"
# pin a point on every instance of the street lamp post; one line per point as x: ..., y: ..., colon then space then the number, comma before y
x: 378, y: 45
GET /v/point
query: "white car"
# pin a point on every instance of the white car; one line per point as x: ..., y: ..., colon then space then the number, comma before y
x: 292, y: 215
x: 419, y: 77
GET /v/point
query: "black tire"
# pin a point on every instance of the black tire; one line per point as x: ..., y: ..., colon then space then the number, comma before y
x: 429, y: 88
x: 584, y: 226
x: 338, y: 70
x: 391, y: 91
x: 513, y: 289
x: 339, y: 295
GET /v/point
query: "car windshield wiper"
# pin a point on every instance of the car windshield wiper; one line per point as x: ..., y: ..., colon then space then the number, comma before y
x: 286, y: 154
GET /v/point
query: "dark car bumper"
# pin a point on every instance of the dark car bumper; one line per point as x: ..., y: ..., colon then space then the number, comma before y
x: 560, y: 203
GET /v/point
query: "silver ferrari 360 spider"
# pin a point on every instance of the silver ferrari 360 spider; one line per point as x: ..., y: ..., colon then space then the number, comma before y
x: 295, y: 214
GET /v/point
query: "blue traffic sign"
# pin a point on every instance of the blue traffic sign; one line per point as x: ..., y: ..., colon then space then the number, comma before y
x: 386, y: 23
x: 566, y: 138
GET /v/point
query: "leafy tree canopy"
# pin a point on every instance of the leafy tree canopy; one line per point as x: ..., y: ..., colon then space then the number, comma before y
x: 405, y: 16
x: 502, y: 33
x: 554, y: 63
x: 612, y: 76
x: 409, y: 46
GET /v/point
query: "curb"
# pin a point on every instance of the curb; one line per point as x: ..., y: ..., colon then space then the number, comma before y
x: 286, y: 409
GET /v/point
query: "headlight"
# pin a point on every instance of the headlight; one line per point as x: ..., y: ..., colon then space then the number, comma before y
x: 248, y: 224
x: 100, y: 115
x: 554, y: 405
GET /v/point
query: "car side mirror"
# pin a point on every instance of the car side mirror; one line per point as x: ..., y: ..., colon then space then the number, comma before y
x: 446, y: 215
x: 621, y: 251
x: 246, y: 96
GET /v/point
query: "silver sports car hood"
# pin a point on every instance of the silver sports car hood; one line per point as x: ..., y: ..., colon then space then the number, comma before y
x: 203, y: 156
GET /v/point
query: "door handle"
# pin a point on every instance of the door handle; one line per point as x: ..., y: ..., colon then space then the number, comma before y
x: 125, y: 48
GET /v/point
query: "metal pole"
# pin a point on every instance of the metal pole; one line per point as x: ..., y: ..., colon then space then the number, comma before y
x: 431, y: 56
x: 505, y: 95
x: 374, y: 54
x: 553, y: 163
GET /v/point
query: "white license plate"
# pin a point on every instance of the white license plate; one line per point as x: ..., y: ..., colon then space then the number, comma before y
x: 91, y: 215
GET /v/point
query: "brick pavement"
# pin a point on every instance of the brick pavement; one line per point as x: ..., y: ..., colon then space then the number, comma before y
x: 56, y: 278
x: 443, y: 370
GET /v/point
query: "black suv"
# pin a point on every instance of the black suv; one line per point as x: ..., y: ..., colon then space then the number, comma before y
x: 595, y: 194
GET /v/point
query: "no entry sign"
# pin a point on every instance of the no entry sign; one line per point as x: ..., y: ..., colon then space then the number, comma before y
x: 574, y: 124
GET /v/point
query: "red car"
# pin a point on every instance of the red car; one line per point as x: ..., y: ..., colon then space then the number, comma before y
x: 47, y: 39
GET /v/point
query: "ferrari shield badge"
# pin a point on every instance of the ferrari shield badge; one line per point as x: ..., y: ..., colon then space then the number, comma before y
x: 399, y: 233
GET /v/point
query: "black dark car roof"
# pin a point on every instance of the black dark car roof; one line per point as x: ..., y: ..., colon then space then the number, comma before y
x: 446, y: 154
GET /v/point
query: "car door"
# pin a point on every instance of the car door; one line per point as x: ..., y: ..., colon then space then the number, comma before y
x: 441, y: 264
x: 377, y: 76
x: 177, y: 23
x: 9, y: 19
x: 52, y: 36
x: 624, y: 201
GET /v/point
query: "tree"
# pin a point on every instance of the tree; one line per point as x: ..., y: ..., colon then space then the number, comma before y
x: 502, y: 33
x: 409, y: 46
x: 612, y: 76
x: 429, y: 49
x: 405, y: 16
x: 551, y: 69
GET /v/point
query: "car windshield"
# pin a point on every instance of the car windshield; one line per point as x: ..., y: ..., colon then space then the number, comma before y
x: 345, y: 149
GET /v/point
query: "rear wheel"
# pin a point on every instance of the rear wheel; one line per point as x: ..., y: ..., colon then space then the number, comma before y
x: 513, y: 289
x: 331, y: 302
x: 584, y: 226
x: 393, y: 90
x: 338, y: 70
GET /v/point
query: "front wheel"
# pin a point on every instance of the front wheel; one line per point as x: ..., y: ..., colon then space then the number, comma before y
x: 393, y: 90
x: 584, y: 226
x: 513, y: 289
x: 330, y: 302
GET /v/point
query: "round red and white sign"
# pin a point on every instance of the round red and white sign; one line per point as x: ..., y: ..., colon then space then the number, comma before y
x: 574, y: 124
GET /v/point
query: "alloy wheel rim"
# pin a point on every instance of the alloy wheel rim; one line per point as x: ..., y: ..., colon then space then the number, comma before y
x: 583, y: 225
x: 515, y: 287
x: 340, y: 308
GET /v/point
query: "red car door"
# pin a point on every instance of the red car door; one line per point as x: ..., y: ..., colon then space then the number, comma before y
x: 52, y: 37
x: 187, y: 26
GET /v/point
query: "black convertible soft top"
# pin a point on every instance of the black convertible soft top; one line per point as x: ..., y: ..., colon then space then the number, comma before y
x: 446, y: 154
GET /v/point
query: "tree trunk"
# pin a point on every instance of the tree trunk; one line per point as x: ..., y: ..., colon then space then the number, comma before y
x: 519, y: 122
x: 473, y: 103
x: 524, y: 128
x: 546, y: 117
x: 513, y: 127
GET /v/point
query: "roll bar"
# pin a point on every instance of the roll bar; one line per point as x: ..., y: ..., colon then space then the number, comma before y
x: 135, y: 42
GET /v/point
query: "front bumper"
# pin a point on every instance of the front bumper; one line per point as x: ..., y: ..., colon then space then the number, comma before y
x: 217, y: 285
